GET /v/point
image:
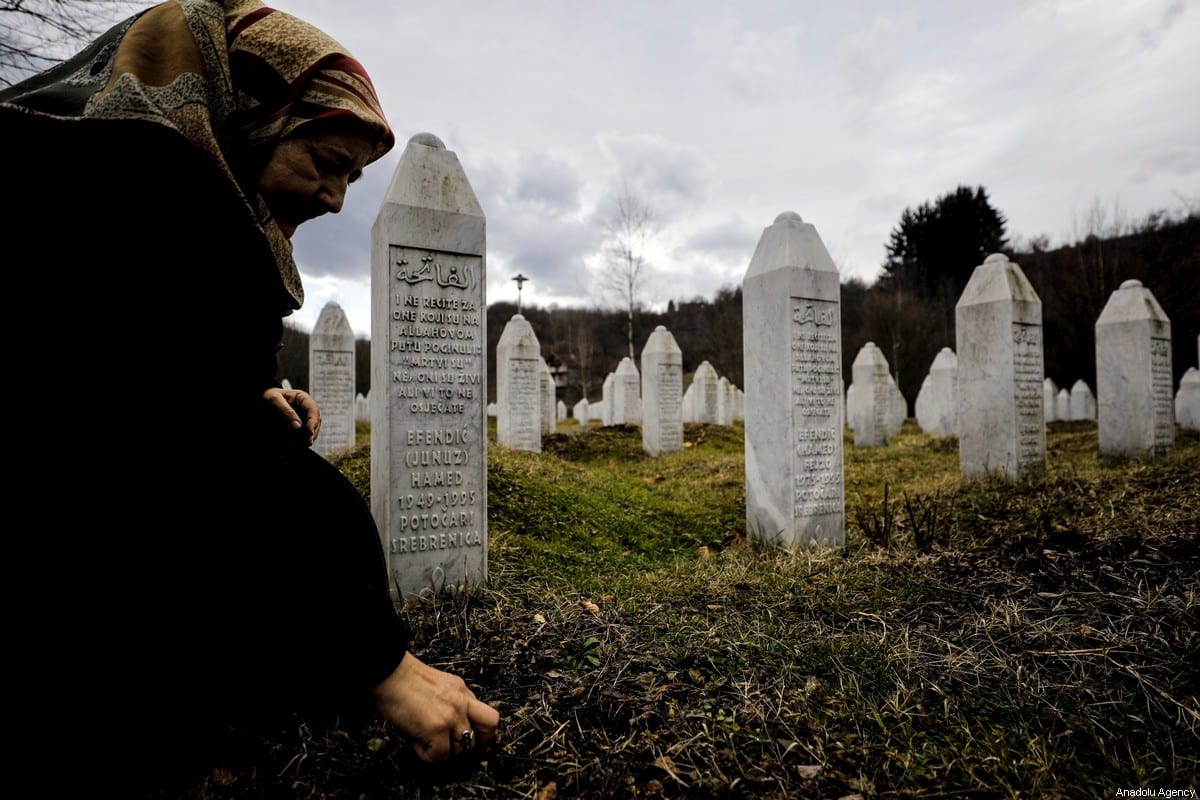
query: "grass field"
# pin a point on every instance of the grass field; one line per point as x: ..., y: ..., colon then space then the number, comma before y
x: 974, y: 639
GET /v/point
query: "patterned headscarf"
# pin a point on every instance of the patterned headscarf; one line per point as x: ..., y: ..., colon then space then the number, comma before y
x: 288, y: 74
x: 233, y: 78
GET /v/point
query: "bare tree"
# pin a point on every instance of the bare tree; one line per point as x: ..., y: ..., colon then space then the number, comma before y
x: 628, y: 232
x: 37, y: 34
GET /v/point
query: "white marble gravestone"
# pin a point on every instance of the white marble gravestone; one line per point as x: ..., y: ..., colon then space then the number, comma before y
x: 626, y: 399
x: 724, y: 402
x: 1187, y: 400
x: 429, y: 374
x: 1001, y: 376
x: 704, y: 381
x: 580, y: 412
x: 1062, y: 405
x: 519, y: 387
x: 1082, y: 402
x: 598, y: 411
x: 561, y: 409
x: 606, y: 399
x: 898, y: 410
x: 1049, y: 400
x: 362, y: 407
x: 689, y: 403
x: 285, y: 384
x: 939, y: 417
x: 662, y: 394
x: 849, y: 407
x: 873, y: 402
x: 549, y: 411
x: 1135, y: 410
x: 492, y: 411
x: 791, y: 346
x: 331, y: 378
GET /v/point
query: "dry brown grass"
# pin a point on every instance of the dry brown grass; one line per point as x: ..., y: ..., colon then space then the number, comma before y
x: 1031, y: 640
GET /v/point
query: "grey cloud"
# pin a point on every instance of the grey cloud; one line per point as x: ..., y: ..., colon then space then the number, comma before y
x: 734, y: 237
x: 669, y: 176
x: 548, y: 183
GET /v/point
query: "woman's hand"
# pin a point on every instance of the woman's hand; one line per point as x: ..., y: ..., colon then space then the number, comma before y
x: 299, y: 409
x: 434, y: 709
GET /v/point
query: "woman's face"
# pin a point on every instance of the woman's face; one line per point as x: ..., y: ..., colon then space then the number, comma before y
x: 307, y: 175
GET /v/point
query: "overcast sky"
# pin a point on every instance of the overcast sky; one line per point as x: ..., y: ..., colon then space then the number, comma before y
x: 721, y: 115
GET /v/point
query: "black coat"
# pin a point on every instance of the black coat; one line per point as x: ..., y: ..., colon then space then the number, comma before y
x: 191, y: 561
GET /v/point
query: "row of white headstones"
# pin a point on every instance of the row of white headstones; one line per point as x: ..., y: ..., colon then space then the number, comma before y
x: 428, y: 408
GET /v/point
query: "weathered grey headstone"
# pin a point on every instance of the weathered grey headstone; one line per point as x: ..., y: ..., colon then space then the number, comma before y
x: 429, y: 374
x: 662, y: 394
x: 1082, y: 402
x: 705, y: 401
x: 1187, y: 400
x: 549, y: 411
x: 580, y: 412
x: 1134, y: 381
x: 939, y: 417
x: 849, y: 407
x: 362, y: 407
x: 519, y: 387
x: 492, y: 410
x: 562, y: 410
x: 874, y: 401
x: 1062, y: 405
x: 792, y: 357
x: 331, y: 378
x: 1049, y: 400
x: 1001, y: 376
x: 626, y: 398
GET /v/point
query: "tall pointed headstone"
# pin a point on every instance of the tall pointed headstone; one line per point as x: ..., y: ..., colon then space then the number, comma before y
x: 1050, y: 400
x: 519, y: 387
x: 1001, y: 375
x: 662, y: 394
x: 1187, y: 400
x: 938, y: 415
x: 580, y: 412
x: 792, y: 358
x: 1082, y: 403
x: 626, y: 399
x: 873, y: 403
x: 704, y: 383
x: 1134, y: 382
x: 331, y: 365
x: 548, y: 395
x: 429, y: 374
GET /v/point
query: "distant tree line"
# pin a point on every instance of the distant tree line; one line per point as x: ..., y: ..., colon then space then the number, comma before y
x: 908, y: 311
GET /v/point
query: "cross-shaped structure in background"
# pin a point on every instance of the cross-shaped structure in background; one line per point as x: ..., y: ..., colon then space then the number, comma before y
x: 520, y: 279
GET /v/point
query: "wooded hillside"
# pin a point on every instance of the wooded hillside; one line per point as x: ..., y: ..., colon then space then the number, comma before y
x: 909, y: 325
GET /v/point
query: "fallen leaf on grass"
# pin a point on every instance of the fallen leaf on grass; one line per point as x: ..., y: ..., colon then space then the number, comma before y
x: 809, y: 771
x: 590, y: 606
x: 548, y: 792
